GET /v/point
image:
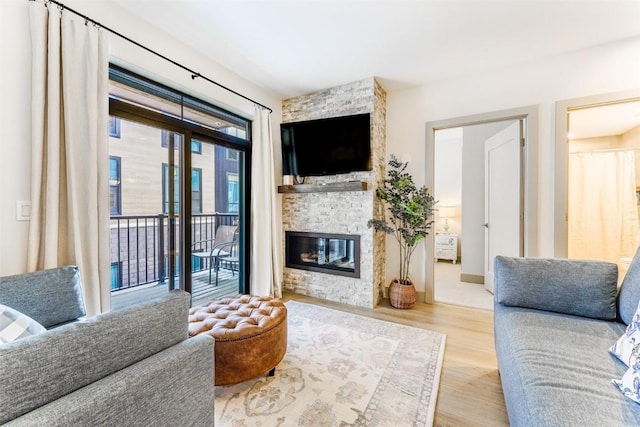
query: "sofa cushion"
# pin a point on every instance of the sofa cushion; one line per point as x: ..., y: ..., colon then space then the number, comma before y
x: 627, y: 348
x: 15, y: 325
x: 629, y: 295
x: 556, y: 369
x: 50, y: 297
x: 578, y: 287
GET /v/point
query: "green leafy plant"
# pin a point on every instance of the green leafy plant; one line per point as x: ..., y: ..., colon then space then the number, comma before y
x: 410, y: 210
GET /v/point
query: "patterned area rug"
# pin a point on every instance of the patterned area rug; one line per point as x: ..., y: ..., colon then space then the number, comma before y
x: 341, y: 369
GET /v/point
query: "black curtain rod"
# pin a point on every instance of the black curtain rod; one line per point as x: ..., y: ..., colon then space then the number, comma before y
x: 194, y: 74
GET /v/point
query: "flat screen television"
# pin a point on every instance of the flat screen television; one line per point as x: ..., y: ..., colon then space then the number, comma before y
x: 326, y: 146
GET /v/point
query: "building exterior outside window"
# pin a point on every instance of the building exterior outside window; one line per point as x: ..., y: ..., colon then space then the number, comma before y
x: 115, y: 206
x: 114, y: 127
x: 232, y: 154
x: 196, y: 189
x: 233, y: 193
x: 196, y: 146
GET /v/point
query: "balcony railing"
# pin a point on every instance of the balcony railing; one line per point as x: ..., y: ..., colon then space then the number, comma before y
x: 140, y: 245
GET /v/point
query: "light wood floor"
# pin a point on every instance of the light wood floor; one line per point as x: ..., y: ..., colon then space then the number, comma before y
x: 470, y: 392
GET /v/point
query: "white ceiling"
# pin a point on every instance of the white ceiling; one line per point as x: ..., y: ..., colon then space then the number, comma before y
x: 294, y: 47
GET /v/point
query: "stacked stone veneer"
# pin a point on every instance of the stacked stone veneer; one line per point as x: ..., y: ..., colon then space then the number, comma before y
x: 341, y: 212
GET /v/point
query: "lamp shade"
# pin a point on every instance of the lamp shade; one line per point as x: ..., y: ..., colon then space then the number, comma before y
x: 447, y: 211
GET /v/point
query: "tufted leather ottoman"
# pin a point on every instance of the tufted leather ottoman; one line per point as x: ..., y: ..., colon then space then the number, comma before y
x: 250, y: 334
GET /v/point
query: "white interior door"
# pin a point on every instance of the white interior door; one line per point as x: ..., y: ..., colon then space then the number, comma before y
x: 503, y: 199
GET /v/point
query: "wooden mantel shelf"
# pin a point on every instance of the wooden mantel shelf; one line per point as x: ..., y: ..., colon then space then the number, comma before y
x: 324, y: 188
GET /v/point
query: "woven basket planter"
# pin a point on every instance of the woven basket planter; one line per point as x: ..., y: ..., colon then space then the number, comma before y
x: 401, y: 296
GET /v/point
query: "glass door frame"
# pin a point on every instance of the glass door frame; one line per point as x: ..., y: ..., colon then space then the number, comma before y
x: 128, y: 111
x: 244, y: 213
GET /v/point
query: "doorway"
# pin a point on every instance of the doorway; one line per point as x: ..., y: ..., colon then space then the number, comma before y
x: 604, y: 182
x: 563, y: 110
x: 529, y: 189
x: 465, y: 187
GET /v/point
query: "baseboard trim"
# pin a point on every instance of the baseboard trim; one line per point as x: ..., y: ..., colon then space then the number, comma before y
x: 472, y: 278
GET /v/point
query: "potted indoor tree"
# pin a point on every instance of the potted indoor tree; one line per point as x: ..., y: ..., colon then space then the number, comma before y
x: 409, y: 213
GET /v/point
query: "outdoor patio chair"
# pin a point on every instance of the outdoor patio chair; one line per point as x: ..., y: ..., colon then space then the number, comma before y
x: 228, y: 258
x: 219, y: 247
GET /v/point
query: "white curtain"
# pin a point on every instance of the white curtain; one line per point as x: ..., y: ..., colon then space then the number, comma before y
x: 603, y: 210
x: 69, y: 179
x: 266, y: 271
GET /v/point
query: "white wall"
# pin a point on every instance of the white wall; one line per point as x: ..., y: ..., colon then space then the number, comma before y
x: 15, y: 128
x: 603, y: 69
x: 15, y: 134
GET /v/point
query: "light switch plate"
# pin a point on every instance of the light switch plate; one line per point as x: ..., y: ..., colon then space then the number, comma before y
x: 23, y: 210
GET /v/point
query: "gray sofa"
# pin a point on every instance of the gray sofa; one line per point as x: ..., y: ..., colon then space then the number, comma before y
x: 555, y: 320
x: 134, y: 367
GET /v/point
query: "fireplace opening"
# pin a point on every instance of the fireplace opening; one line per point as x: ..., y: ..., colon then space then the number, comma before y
x: 324, y: 253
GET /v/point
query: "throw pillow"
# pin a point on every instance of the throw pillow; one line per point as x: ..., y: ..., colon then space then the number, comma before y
x: 627, y: 348
x: 629, y: 385
x: 15, y: 325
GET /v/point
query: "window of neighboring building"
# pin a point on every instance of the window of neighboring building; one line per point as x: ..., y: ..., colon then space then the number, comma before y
x: 165, y: 189
x: 115, y: 196
x: 196, y: 146
x: 196, y: 189
x: 114, y: 127
x: 232, y: 154
x: 196, y: 263
x: 116, y: 275
x: 233, y: 193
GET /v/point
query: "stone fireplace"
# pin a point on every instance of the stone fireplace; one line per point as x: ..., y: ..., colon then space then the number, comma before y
x: 325, y: 213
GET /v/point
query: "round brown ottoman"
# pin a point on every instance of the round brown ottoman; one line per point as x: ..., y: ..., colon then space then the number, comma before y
x: 250, y: 334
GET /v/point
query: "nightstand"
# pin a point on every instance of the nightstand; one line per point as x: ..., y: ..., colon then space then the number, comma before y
x: 447, y: 247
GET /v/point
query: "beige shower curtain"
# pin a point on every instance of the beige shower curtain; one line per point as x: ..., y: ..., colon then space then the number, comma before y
x: 603, y: 210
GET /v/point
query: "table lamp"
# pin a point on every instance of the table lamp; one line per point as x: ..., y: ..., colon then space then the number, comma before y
x: 447, y: 212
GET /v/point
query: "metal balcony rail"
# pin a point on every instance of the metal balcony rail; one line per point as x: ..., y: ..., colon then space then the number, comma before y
x: 139, y: 246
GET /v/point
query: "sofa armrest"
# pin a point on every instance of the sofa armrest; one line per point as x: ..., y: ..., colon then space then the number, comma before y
x: 174, y: 387
x: 578, y: 287
x: 44, y: 367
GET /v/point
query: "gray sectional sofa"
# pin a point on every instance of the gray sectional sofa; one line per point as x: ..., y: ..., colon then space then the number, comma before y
x: 134, y: 367
x: 555, y: 320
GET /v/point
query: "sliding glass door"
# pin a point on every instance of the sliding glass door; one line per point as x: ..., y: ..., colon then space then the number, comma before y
x: 145, y: 232
x: 217, y: 221
x: 178, y: 195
